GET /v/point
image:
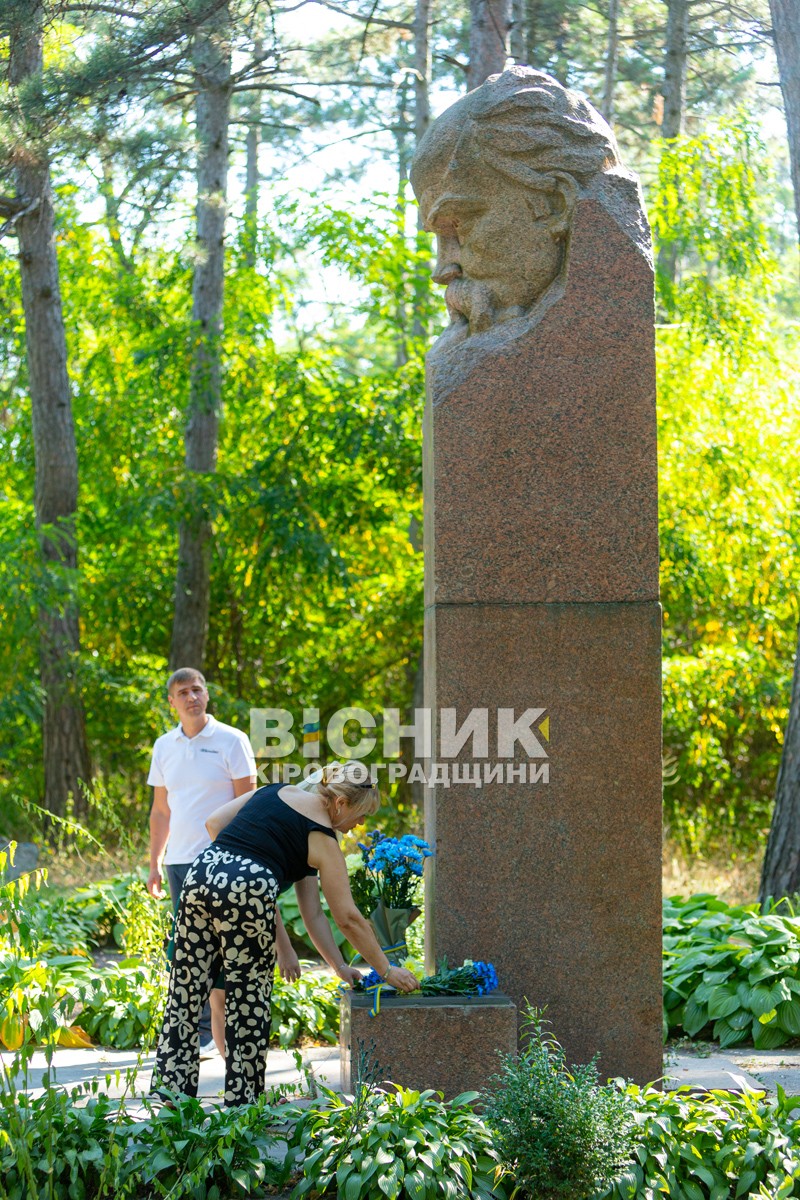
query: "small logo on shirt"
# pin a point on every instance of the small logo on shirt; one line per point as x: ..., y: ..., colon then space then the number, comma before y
x: 203, y: 750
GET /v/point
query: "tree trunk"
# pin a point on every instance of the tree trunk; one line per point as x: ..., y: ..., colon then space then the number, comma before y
x: 488, y: 39
x: 422, y: 69
x: 402, y: 130
x: 611, y: 61
x: 422, y: 119
x: 786, y: 35
x: 212, y: 62
x: 252, y: 177
x: 675, y: 58
x: 532, y: 15
x: 66, y: 754
x: 780, y: 875
x: 516, y: 41
x: 674, y: 93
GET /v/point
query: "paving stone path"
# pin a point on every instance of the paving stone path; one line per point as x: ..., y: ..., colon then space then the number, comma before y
x: 111, y: 1067
x: 733, y: 1070
x: 736, y: 1070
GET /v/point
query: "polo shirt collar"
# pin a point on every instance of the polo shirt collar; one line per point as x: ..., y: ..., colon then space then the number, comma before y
x: 205, y: 732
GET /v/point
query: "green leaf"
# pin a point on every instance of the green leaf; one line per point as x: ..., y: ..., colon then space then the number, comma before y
x: 352, y: 1188
x: 415, y: 1185
x: 789, y: 1016
x: 764, y: 999
x: 768, y: 1037
x: 746, y: 1179
x: 723, y: 1002
x: 727, y: 1034
x: 708, y: 1177
x: 695, y: 1017
x: 390, y: 1183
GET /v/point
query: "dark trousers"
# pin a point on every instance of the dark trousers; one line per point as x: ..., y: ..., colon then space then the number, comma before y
x: 176, y: 873
x: 226, y: 921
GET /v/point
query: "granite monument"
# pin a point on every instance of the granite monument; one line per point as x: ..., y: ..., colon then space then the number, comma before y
x: 541, y: 546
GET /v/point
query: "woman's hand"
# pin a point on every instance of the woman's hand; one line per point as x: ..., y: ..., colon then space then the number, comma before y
x: 348, y: 974
x: 401, y: 979
x: 288, y: 964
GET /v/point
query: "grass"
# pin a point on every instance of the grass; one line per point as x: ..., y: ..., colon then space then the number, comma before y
x: 733, y: 878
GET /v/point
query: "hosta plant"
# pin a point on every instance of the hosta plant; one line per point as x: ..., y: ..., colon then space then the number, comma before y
x: 306, y: 1009
x: 82, y: 1145
x: 721, y: 1146
x: 123, y: 1005
x: 731, y: 973
x: 402, y: 1145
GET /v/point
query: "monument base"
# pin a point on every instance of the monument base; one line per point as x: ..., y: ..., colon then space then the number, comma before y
x: 448, y: 1043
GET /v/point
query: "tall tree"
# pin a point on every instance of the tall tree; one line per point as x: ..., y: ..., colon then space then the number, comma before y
x: 490, y: 23
x: 252, y: 178
x: 786, y: 36
x: 676, y: 52
x: 212, y: 65
x: 780, y: 875
x: 30, y: 214
x: 612, y: 51
x: 676, y: 56
x: 422, y: 68
x: 422, y: 119
x: 171, y: 52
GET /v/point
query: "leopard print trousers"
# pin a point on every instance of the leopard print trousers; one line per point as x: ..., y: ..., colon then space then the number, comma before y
x: 226, y: 921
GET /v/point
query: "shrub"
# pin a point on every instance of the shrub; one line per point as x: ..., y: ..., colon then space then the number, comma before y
x: 63, y: 1146
x: 732, y: 971
x: 558, y: 1132
x: 404, y: 1145
x: 722, y: 1145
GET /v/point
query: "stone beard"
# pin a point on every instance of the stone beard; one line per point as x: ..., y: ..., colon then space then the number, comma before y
x: 497, y: 177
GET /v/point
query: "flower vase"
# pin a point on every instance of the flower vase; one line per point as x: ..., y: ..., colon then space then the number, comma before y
x: 389, y: 926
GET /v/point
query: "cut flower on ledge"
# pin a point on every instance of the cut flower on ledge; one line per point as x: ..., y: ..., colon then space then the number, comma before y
x: 471, y: 979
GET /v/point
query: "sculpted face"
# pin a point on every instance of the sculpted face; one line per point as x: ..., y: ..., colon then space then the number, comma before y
x: 500, y: 244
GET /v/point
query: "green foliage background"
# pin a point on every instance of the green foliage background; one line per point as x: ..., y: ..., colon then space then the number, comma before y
x: 728, y: 372
x: 316, y: 592
x: 317, y: 572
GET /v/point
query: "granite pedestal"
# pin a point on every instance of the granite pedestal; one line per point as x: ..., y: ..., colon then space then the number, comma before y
x: 448, y: 1043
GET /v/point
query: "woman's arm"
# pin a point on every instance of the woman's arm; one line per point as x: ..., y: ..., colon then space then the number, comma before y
x: 288, y: 962
x: 319, y: 930
x: 324, y: 854
x: 223, y: 816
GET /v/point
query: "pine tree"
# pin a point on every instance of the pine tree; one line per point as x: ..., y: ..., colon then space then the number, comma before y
x: 30, y: 216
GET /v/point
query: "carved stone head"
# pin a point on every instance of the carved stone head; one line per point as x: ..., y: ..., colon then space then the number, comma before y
x: 497, y: 177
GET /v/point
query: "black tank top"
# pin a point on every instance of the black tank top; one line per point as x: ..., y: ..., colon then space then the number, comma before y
x: 274, y: 834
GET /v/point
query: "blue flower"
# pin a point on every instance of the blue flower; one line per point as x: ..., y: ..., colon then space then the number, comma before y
x: 485, y: 977
x: 371, y: 980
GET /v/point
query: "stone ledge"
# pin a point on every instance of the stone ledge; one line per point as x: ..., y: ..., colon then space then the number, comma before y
x: 447, y: 1043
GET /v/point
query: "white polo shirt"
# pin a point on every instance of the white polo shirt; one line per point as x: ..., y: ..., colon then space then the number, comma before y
x: 198, y: 774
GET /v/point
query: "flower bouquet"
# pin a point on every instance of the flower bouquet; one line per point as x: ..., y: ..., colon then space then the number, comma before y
x: 384, y: 887
x: 470, y: 979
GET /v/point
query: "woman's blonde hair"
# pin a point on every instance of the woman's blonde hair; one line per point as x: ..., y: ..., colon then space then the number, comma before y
x: 349, y: 781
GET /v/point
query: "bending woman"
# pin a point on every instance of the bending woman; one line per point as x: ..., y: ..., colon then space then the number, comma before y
x: 264, y: 841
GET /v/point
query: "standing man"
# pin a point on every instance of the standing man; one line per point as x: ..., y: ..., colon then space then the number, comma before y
x: 195, y: 769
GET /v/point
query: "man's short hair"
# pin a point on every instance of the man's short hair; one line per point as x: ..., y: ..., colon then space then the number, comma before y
x: 184, y: 675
